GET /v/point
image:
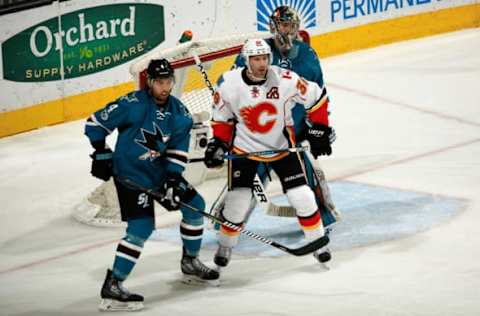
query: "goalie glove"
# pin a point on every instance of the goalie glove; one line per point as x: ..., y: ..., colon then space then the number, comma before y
x: 175, y: 189
x: 102, y: 162
x: 215, y: 152
x: 320, y: 138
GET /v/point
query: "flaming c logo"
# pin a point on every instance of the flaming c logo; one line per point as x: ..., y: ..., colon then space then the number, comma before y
x: 252, y: 116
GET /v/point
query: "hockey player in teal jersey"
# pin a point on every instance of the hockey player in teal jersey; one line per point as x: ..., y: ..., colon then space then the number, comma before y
x: 290, y: 53
x: 151, y: 152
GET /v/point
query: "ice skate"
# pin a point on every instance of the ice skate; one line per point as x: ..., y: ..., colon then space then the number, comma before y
x: 323, y: 256
x: 195, y: 272
x: 116, y: 298
x: 222, y: 256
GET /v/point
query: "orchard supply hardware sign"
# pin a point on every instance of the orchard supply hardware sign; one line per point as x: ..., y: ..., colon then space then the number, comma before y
x: 92, y: 40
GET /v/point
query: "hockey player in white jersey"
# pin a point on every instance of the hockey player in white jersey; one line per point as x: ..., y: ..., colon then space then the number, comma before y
x: 253, y: 112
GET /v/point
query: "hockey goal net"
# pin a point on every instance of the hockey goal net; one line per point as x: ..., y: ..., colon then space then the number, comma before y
x: 198, y: 65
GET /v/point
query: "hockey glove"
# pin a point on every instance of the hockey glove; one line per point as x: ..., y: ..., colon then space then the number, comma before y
x: 102, y: 164
x: 175, y: 189
x: 215, y: 152
x: 320, y: 138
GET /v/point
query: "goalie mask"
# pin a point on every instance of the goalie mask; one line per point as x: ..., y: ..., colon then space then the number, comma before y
x: 284, y: 24
x: 255, y: 47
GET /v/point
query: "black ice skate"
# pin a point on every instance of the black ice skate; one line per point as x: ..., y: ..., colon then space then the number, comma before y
x: 116, y: 298
x: 194, y: 271
x: 222, y: 256
x: 323, y: 256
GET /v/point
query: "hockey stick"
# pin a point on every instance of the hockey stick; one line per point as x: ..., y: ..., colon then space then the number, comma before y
x: 256, y: 153
x: 202, y: 70
x: 266, y: 152
x: 301, y: 251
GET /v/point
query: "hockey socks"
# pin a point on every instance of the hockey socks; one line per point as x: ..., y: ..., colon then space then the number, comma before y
x: 131, y: 246
x: 191, y: 227
x: 191, y: 237
x: 312, y: 226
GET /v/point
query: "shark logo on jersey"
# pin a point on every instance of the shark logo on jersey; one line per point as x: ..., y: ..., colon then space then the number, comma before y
x: 153, y: 142
x: 259, y: 118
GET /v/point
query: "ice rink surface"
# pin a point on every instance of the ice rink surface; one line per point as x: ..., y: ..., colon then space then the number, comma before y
x: 405, y: 172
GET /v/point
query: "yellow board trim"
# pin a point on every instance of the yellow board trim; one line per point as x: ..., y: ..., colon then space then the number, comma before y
x: 334, y: 43
x: 395, y: 30
x: 60, y: 111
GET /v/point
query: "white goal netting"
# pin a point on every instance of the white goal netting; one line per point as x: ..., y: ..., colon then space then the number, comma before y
x: 215, y: 56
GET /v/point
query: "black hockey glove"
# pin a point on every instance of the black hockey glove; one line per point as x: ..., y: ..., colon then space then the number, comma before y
x: 102, y: 164
x: 215, y: 152
x: 175, y: 189
x: 320, y: 138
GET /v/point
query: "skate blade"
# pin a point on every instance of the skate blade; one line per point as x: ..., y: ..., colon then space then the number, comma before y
x: 109, y: 305
x: 194, y: 280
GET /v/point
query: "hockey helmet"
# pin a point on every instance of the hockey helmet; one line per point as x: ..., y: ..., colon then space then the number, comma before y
x: 159, y: 69
x: 255, y: 47
x: 284, y: 15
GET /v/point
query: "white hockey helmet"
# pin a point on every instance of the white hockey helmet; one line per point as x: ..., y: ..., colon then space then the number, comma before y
x: 255, y: 47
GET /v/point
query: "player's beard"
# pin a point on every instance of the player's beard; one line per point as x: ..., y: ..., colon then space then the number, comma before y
x: 162, y: 97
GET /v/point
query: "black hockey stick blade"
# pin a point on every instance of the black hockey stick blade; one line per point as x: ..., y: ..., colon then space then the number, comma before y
x: 306, y: 249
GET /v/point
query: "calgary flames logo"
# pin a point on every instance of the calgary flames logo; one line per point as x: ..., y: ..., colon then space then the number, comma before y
x: 259, y: 118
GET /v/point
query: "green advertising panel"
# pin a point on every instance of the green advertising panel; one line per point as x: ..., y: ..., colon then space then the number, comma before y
x: 91, y: 40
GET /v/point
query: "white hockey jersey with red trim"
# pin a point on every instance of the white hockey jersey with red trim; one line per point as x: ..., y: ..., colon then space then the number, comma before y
x: 259, y: 115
